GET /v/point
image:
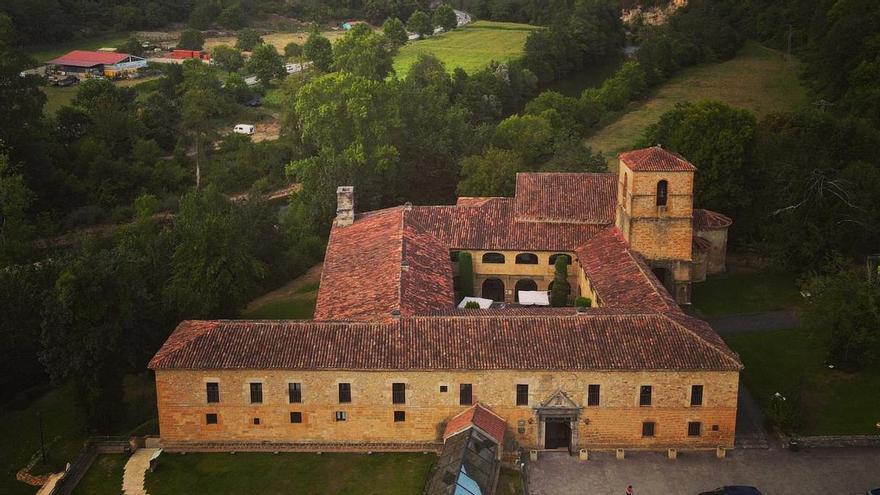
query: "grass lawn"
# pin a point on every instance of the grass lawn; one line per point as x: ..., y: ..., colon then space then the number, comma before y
x: 787, y: 361
x: 747, y: 292
x: 509, y: 482
x: 104, y: 476
x: 44, y: 53
x: 300, y: 473
x: 470, y: 47
x: 758, y: 79
x: 62, y: 420
x: 58, y: 97
x: 278, y: 40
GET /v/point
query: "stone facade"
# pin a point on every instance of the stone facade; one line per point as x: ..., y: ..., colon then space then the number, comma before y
x: 510, y: 272
x: 615, y: 422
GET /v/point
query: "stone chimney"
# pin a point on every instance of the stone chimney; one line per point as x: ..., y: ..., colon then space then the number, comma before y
x: 344, y: 206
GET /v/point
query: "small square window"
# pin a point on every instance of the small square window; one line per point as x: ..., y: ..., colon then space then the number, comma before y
x: 648, y: 428
x: 341, y: 416
x: 714, y: 427
x: 296, y: 417
x: 211, y: 418
x: 443, y: 389
x: 399, y: 416
x: 256, y: 421
x: 694, y: 428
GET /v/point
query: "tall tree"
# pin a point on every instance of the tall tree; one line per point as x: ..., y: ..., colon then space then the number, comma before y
x: 395, y: 31
x: 420, y: 23
x: 266, y: 63
x: 317, y: 49
x: 15, y: 229
x: 445, y: 17
x: 362, y: 52
x: 227, y: 58
x: 248, y: 40
x: 191, y: 39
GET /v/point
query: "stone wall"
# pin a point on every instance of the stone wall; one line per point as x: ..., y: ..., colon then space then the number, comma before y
x: 716, y: 260
x: 616, y: 422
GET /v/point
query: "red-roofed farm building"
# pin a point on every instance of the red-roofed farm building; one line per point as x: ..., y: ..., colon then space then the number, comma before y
x: 391, y: 363
x: 109, y: 64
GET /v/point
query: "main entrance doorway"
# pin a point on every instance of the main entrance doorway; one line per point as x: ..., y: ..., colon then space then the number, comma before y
x: 557, y: 433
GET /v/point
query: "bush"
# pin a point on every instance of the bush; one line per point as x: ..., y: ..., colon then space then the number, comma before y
x: 191, y: 39
x: 583, y: 302
x: 472, y: 305
x: 466, y: 274
x: 561, y: 288
x: 248, y: 39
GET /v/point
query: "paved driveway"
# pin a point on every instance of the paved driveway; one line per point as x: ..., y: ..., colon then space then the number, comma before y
x: 775, y: 472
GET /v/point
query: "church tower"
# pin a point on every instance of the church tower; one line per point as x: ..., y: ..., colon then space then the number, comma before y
x: 655, y: 198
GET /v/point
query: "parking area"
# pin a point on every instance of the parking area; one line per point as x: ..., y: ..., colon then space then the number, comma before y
x: 844, y: 471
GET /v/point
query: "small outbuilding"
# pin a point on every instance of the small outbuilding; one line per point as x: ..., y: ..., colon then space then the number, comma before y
x: 98, y: 63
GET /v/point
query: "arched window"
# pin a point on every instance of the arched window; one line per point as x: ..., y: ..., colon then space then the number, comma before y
x: 662, y: 193
x: 493, y: 258
x: 526, y: 259
x: 555, y: 257
x: 524, y: 284
x: 493, y: 289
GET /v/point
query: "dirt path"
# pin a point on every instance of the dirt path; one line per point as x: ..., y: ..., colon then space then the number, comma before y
x: 289, y: 291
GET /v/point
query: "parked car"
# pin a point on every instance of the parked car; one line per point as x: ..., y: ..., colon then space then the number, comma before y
x: 66, y: 81
x: 734, y: 490
x: 246, y: 129
x: 875, y: 491
x: 254, y: 102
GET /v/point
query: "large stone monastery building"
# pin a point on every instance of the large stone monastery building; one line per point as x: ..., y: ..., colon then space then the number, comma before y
x: 389, y: 359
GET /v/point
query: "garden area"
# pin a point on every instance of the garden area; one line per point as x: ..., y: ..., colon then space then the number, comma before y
x: 745, y: 292
x: 64, y: 429
x: 471, y: 47
x: 284, y: 473
x: 294, y: 301
x: 758, y: 79
x: 794, y: 363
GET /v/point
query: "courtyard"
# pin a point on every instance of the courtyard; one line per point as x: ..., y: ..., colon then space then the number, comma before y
x: 774, y: 471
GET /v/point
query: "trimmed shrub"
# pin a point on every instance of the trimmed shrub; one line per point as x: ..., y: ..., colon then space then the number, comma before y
x: 561, y: 288
x: 472, y: 305
x: 466, y: 274
x: 583, y: 302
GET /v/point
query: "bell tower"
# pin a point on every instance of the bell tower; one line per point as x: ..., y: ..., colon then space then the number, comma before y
x: 654, y: 212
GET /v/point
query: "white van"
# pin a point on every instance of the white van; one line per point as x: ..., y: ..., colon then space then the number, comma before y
x: 243, y: 129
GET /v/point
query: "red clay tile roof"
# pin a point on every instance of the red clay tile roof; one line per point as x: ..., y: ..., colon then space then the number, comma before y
x: 480, y: 416
x: 619, y: 276
x: 84, y: 58
x: 710, y: 220
x: 582, y: 342
x: 473, y: 201
x: 655, y: 159
x: 566, y: 197
x: 492, y: 226
x: 383, y: 263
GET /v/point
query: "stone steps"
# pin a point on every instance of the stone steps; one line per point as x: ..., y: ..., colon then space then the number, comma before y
x: 135, y: 470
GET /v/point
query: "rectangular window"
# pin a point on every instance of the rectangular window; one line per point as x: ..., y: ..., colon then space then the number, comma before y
x: 465, y: 394
x: 344, y: 393
x: 213, y: 391
x: 211, y: 418
x: 696, y: 395
x: 398, y: 393
x: 645, y: 395
x: 648, y: 429
x: 443, y: 389
x: 341, y: 416
x: 522, y: 395
x: 296, y: 417
x: 694, y: 428
x: 593, y: 395
x: 257, y: 421
x: 399, y: 416
x: 294, y: 393
x: 256, y: 393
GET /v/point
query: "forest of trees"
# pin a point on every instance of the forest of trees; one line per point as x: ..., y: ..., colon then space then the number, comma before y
x: 802, y: 186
